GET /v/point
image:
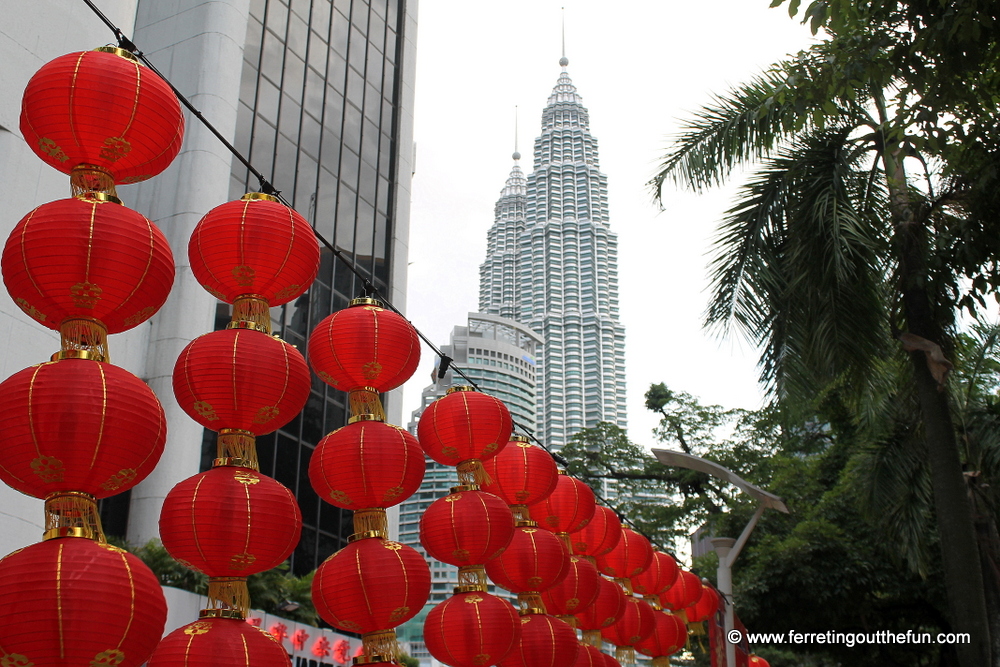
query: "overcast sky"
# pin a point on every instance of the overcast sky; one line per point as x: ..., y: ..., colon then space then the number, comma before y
x: 641, y: 67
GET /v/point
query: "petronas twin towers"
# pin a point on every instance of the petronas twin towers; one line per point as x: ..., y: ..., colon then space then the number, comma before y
x: 552, y: 264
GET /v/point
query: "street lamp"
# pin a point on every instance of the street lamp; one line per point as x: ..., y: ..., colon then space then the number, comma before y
x: 725, y: 547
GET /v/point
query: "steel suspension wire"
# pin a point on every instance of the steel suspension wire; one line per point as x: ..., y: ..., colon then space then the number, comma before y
x: 267, y: 188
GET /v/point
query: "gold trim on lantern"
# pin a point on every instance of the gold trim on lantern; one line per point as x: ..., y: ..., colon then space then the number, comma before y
x: 471, y: 578
x: 251, y: 311
x: 88, y: 178
x: 236, y: 447
x: 72, y: 514
x: 80, y: 335
x: 593, y: 638
x: 460, y: 387
x: 366, y: 417
x: 127, y: 55
x: 523, y: 523
x: 365, y: 401
x: 653, y: 601
x: 626, y: 585
x: 521, y: 515
x: 371, y: 520
x: 369, y: 659
x: 366, y: 301
x: 259, y: 196
x: 464, y: 487
x: 381, y: 644
x: 228, y: 597
x: 471, y: 471
x: 517, y: 437
x: 566, y: 540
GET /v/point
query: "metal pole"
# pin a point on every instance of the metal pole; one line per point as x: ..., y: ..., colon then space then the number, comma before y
x: 724, y: 574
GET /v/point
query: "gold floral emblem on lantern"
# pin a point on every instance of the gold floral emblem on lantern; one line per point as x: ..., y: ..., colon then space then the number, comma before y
x: 85, y: 295
x: 112, y: 656
x: 572, y: 603
x: 392, y: 546
x: 348, y: 625
x: 453, y: 498
x: 371, y: 370
x: 198, y: 628
x: 481, y: 659
x: 524, y: 445
x: 522, y: 496
x: 473, y: 599
x: 119, y: 479
x: 265, y: 414
x: 242, y: 561
x: 50, y: 147
x: 340, y: 497
x: 140, y: 317
x: 327, y: 378
x: 392, y: 493
x: 115, y: 148
x: 15, y: 660
x: 246, y: 477
x: 534, y: 581
x: 205, y: 409
x: 287, y: 292
x: 492, y: 447
x: 243, y: 275
x: 398, y: 613
x: 48, y: 468
x: 30, y: 310
x: 460, y: 553
x: 449, y: 451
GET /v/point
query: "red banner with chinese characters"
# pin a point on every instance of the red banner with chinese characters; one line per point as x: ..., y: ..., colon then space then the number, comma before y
x: 717, y: 640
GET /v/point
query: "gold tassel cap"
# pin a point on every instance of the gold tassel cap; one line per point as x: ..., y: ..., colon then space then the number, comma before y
x: 530, y: 602
x: 83, y: 338
x: 380, y: 646
x: 592, y: 637
x: 370, y: 522
x: 471, y: 578
x: 86, y: 179
x: 251, y: 311
x: 625, y: 655
x: 236, y: 448
x: 228, y: 597
x: 72, y: 514
x: 471, y: 471
x: 365, y: 400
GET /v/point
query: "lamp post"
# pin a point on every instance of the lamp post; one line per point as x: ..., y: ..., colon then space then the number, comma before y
x: 725, y: 547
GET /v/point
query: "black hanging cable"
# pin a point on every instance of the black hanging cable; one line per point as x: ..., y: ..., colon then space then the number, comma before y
x: 368, y: 288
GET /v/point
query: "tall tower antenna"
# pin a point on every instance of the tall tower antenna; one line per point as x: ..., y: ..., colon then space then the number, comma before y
x: 517, y: 154
x: 564, y: 60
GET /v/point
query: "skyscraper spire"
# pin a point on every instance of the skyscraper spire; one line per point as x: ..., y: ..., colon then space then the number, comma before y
x: 517, y: 153
x: 564, y: 61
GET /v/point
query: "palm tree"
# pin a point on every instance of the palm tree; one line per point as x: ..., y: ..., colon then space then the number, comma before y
x: 836, y: 261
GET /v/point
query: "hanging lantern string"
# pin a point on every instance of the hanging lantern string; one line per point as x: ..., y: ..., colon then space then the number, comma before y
x: 368, y: 288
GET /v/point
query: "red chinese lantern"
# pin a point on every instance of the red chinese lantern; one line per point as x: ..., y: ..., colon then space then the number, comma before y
x: 757, y: 661
x: 599, y: 536
x: 466, y: 527
x: 87, y: 259
x: 577, y: 590
x: 521, y: 473
x: 464, y: 428
x: 609, y: 661
x: 568, y: 508
x: 658, y: 577
x: 78, y: 425
x: 366, y: 464
x: 371, y: 585
x: 230, y: 522
x: 637, y: 623
x: 588, y: 656
x: 219, y: 641
x: 606, y: 609
x: 684, y: 593
x: 72, y: 601
x: 254, y: 246
x: 241, y: 379
x: 669, y: 637
x: 705, y: 607
x: 630, y: 557
x: 471, y: 630
x: 364, y: 350
x: 545, y: 642
x: 102, y: 108
x: 534, y: 561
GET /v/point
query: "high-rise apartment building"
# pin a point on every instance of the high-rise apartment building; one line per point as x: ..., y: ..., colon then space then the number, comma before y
x: 318, y: 95
x: 552, y: 264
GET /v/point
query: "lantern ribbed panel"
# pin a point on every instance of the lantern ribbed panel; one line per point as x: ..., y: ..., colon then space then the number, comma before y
x: 705, y: 607
x: 466, y: 528
x: 471, y: 630
x: 577, y: 590
x: 71, y: 601
x: 757, y: 661
x: 255, y: 247
x: 77, y: 258
x: 219, y: 642
x: 568, y: 508
x: 78, y: 425
x: 685, y: 591
x: 669, y: 637
x: 599, y: 536
x: 631, y: 556
x: 364, y: 346
x: 545, y: 641
x: 105, y: 110
x: 521, y: 473
x: 658, y: 577
x: 609, y: 661
x: 534, y: 561
x: 241, y: 379
x: 367, y: 464
x: 464, y: 425
x: 605, y: 610
x: 588, y: 656
x: 371, y: 585
x: 230, y: 522
x: 637, y: 623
